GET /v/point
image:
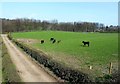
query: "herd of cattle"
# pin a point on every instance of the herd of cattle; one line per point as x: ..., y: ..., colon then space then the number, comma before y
x: 53, y: 40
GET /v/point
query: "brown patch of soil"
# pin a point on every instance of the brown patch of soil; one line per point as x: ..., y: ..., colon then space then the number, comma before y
x: 28, y: 41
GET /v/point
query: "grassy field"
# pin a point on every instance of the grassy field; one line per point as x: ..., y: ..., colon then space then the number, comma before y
x: 103, y: 49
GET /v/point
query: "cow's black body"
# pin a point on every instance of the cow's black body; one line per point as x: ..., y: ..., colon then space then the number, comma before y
x: 86, y: 43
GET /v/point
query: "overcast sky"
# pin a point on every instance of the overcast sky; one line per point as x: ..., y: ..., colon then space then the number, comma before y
x: 102, y: 12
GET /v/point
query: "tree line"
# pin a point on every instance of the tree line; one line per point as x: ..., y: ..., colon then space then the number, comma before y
x: 24, y: 24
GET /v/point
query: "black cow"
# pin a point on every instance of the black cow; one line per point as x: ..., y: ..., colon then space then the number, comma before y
x: 58, y: 41
x: 86, y: 43
x: 42, y: 41
x: 54, y: 41
x: 51, y: 39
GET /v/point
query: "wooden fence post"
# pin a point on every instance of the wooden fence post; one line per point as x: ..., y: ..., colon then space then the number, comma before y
x: 110, y: 68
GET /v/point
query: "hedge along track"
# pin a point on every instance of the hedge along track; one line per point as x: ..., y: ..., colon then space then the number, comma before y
x: 40, y: 65
x: 63, y: 72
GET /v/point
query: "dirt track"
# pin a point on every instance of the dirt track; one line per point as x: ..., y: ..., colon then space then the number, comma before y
x: 28, y: 70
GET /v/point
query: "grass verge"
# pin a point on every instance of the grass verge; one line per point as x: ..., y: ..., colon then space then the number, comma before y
x: 9, y: 72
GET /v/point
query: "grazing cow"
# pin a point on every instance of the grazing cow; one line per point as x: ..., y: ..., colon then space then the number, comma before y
x: 51, y: 39
x: 58, y: 41
x: 54, y: 41
x: 86, y: 43
x: 42, y: 41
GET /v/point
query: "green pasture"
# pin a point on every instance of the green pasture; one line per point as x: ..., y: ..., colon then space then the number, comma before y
x: 103, y: 49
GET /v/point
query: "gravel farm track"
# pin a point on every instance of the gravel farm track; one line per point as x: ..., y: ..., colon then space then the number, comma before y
x: 28, y: 70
